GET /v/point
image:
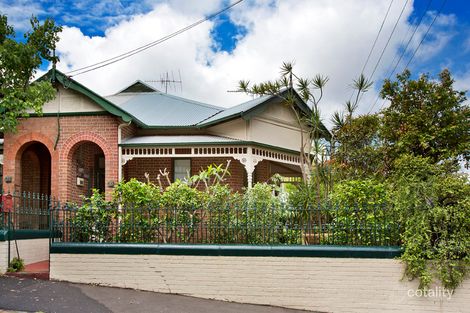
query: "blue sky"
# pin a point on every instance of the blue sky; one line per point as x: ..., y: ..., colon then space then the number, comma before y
x: 456, y: 53
x: 251, y: 41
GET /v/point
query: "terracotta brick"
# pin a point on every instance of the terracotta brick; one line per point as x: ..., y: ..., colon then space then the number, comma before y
x: 137, y: 167
x: 74, y: 130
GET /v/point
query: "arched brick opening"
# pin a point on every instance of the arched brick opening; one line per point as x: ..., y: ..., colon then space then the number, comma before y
x: 33, y: 168
x: 86, y: 170
x: 33, y: 144
x: 86, y: 162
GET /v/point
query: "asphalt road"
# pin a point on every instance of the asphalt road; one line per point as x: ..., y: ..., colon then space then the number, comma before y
x: 48, y: 296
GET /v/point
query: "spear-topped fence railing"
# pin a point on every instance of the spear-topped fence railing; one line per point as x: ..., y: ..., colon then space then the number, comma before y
x: 371, y: 225
x: 280, y: 225
x: 25, y: 211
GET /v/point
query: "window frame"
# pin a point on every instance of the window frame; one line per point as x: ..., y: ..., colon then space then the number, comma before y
x: 173, y: 167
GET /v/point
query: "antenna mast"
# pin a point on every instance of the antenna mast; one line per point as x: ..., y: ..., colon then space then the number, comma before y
x: 166, y: 81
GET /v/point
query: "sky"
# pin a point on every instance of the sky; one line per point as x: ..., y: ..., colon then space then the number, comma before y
x: 250, y: 42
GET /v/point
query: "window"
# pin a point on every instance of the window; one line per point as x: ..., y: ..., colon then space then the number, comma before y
x: 182, y: 169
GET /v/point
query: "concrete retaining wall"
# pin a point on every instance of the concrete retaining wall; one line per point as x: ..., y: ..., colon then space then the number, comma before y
x: 31, y: 251
x: 319, y: 284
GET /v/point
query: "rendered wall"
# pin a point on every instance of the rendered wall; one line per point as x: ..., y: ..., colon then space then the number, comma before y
x: 31, y: 251
x: 319, y: 284
x: 3, y: 256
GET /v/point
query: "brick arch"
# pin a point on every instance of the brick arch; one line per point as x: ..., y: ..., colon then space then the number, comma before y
x: 14, y: 154
x: 22, y: 143
x: 72, y: 141
x: 65, y: 164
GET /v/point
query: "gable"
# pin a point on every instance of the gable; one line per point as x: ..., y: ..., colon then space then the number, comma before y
x: 60, y: 79
x: 279, y: 113
x: 69, y: 101
x: 138, y: 86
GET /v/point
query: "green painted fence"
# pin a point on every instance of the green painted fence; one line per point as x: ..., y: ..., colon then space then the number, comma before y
x: 281, y: 225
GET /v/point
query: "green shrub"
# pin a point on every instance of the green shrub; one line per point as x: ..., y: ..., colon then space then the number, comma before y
x: 361, y: 215
x: 264, y: 220
x: 16, y: 265
x: 221, y: 214
x: 92, y: 221
x: 137, y: 194
x: 138, y: 215
x: 434, y: 208
x: 181, y: 212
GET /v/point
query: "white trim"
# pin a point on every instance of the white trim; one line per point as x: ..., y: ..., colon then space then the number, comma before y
x: 128, y: 153
x: 247, y: 155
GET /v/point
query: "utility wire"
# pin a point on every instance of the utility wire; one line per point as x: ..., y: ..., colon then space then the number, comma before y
x: 375, y: 42
x: 130, y: 53
x: 424, y: 37
x: 388, y: 40
x: 377, y: 37
x: 402, y: 54
x: 427, y: 31
x: 411, y: 38
x: 386, y: 45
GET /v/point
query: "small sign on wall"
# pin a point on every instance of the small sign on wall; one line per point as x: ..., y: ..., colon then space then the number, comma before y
x: 80, y: 181
x: 7, y: 203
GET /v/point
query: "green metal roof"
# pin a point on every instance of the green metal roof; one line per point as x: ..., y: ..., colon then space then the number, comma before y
x: 177, y: 139
x: 160, y: 110
x: 194, y: 140
x: 149, y: 108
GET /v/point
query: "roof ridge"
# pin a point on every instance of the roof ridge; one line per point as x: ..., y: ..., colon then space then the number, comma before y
x: 207, y: 105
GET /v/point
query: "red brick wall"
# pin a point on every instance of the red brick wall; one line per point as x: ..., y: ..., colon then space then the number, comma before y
x: 262, y: 172
x: 128, y: 131
x: 84, y: 156
x: 36, y: 169
x: 100, y: 129
x: 31, y: 172
x: 237, y: 177
x: 136, y: 168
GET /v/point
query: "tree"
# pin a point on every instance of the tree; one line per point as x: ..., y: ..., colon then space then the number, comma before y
x: 19, y: 62
x: 358, y: 152
x: 288, y: 87
x: 425, y: 118
x: 355, y: 140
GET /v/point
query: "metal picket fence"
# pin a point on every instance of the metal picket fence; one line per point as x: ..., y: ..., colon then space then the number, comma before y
x: 25, y: 211
x: 316, y: 225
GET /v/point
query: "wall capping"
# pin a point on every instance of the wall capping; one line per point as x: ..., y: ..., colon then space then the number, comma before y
x: 228, y: 250
x: 23, y: 234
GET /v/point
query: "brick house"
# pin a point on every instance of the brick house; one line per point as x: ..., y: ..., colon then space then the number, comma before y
x: 84, y: 141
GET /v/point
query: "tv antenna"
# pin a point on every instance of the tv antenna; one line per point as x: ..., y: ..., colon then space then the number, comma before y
x: 167, y: 80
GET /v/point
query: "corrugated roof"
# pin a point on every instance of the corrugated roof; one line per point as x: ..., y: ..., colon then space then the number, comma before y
x: 236, y: 110
x: 177, y: 139
x: 156, y: 109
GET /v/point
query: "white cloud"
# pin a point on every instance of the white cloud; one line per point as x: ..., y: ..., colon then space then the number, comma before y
x: 20, y: 12
x: 328, y: 37
x: 462, y: 82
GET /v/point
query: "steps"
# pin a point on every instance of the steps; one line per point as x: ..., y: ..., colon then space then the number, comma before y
x: 38, y: 270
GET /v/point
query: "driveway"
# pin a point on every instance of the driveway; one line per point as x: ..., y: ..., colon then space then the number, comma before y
x: 49, y: 296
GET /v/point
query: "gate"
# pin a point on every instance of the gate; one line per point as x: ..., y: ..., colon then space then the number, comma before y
x: 25, y: 227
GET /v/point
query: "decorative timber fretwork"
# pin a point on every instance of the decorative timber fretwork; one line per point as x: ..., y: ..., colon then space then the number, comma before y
x: 247, y: 155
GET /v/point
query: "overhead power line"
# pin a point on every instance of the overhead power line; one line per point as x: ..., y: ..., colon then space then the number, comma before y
x: 388, y: 40
x: 424, y: 37
x: 404, y: 49
x: 130, y: 53
x: 386, y: 45
x: 375, y: 42
x: 427, y: 32
x: 411, y: 38
x: 377, y: 37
